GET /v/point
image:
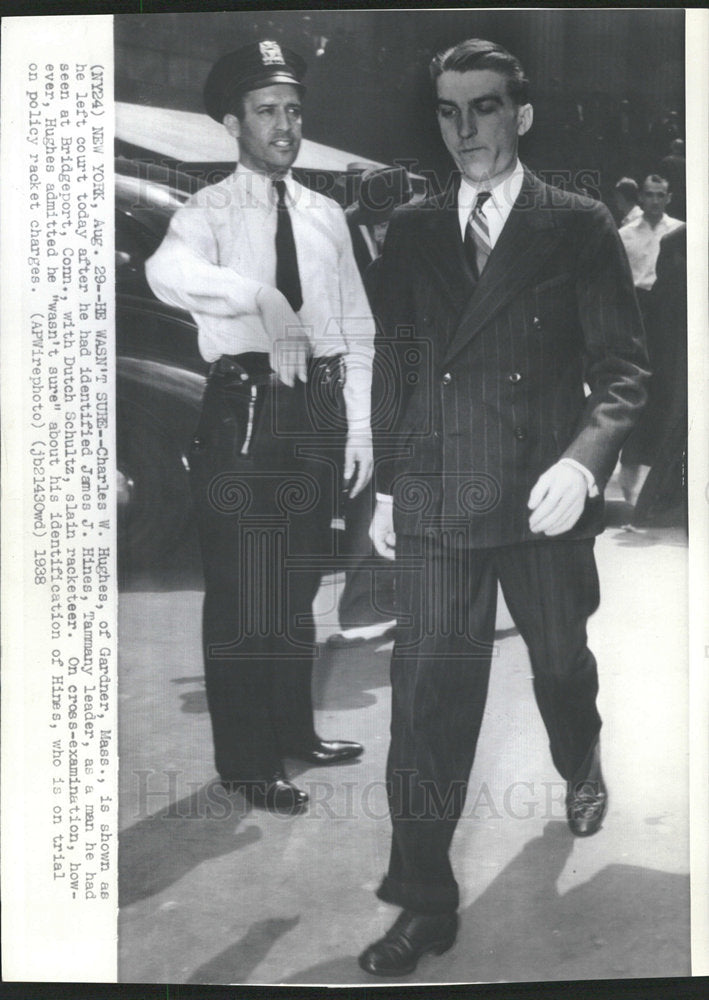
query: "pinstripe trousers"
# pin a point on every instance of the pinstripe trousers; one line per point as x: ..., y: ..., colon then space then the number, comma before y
x: 446, y: 603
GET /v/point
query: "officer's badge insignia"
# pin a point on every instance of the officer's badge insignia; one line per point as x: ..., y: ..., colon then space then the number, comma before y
x: 271, y: 54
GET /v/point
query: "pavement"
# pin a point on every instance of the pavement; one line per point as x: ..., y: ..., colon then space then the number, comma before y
x: 213, y: 891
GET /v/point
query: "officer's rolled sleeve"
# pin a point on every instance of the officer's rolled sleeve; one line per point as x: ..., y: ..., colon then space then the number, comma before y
x: 183, y: 271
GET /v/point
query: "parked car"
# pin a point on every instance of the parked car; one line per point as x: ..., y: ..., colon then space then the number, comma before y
x: 159, y: 385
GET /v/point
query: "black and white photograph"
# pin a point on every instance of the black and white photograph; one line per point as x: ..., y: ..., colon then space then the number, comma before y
x: 389, y: 398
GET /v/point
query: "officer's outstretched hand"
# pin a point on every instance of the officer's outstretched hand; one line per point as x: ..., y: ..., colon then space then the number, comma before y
x: 359, y: 462
x: 557, y: 499
x: 290, y: 346
x: 381, y: 530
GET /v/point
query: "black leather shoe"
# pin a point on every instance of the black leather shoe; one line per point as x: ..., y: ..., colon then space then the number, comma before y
x: 411, y: 936
x: 326, y: 752
x: 587, y: 797
x: 276, y: 794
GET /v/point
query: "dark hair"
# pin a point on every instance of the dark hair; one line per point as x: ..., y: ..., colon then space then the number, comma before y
x: 628, y: 188
x: 476, y: 53
x: 657, y: 179
x: 233, y: 102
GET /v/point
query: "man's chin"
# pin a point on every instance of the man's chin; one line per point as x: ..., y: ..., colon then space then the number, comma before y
x: 485, y: 173
x: 477, y: 176
x: 476, y: 172
x: 282, y: 162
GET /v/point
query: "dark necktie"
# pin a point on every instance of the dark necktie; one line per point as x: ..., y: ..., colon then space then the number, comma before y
x: 287, y: 276
x: 477, y: 236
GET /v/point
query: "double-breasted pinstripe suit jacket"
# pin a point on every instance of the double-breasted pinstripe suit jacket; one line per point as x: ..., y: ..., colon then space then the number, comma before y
x: 482, y: 387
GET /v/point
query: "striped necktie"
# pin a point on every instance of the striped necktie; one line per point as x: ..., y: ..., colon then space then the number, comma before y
x: 477, y: 236
x: 287, y: 275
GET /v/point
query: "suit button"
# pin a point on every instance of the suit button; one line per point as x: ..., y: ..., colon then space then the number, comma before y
x: 515, y: 377
x: 447, y: 379
x: 520, y: 433
x: 537, y: 323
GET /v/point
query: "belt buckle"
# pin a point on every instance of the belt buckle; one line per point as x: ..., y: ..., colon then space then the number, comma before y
x: 231, y: 367
x: 224, y: 367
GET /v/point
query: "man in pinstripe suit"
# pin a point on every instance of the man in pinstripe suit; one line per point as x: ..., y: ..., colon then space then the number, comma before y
x: 498, y: 301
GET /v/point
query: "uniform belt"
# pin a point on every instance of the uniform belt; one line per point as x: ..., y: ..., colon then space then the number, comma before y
x: 254, y: 368
x: 249, y: 368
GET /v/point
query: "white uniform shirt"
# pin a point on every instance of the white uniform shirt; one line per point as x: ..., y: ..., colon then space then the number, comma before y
x: 219, y: 251
x: 642, y: 245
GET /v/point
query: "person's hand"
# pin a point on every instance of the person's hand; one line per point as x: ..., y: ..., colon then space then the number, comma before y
x: 359, y: 463
x: 290, y: 346
x: 557, y: 499
x: 381, y: 530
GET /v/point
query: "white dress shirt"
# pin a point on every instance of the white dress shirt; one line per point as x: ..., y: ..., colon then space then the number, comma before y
x: 642, y: 245
x: 496, y: 210
x: 219, y: 251
x: 634, y: 213
x: 369, y: 240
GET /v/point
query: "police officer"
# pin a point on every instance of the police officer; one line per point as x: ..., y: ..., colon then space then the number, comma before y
x: 266, y: 268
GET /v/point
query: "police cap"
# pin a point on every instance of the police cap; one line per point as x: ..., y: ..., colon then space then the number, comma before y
x: 257, y: 65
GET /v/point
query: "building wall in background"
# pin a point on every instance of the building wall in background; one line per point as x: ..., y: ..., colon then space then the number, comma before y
x: 368, y: 86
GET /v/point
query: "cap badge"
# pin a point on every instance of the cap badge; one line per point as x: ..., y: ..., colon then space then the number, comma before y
x: 271, y: 54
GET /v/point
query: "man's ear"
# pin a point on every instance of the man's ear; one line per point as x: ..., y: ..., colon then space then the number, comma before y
x: 525, y: 117
x: 232, y: 125
x: 669, y: 198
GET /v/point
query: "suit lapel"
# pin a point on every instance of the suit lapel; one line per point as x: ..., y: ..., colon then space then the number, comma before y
x: 442, y: 251
x: 530, y: 234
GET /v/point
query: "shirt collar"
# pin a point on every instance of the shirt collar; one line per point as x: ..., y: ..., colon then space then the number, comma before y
x: 503, y: 193
x: 662, y: 224
x: 260, y: 187
x: 634, y: 213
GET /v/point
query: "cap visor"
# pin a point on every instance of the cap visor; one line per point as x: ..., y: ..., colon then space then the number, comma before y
x: 260, y: 82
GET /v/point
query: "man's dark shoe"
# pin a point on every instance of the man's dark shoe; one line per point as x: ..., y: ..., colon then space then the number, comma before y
x: 275, y: 794
x: 587, y: 797
x: 326, y: 752
x: 411, y: 936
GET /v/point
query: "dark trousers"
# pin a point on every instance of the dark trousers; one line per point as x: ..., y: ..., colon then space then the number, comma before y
x: 446, y: 598
x: 263, y: 479
x: 640, y: 447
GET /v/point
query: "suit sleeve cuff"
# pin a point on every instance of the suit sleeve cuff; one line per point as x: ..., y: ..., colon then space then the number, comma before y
x: 587, y: 475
